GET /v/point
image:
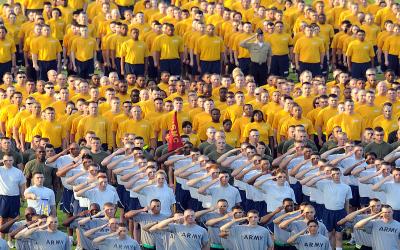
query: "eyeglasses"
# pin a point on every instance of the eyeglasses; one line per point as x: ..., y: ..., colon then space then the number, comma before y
x: 29, y: 103
x: 49, y: 87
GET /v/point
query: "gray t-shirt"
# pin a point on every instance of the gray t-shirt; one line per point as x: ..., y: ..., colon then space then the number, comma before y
x: 250, y: 237
x: 145, y: 219
x: 86, y: 242
x: 214, y: 230
x: 299, y: 225
x: 385, y: 236
x: 312, y: 242
x: 21, y: 243
x: 281, y: 236
x: 45, y: 240
x: 361, y: 237
x: 114, y: 243
x: 191, y: 237
x: 3, y: 245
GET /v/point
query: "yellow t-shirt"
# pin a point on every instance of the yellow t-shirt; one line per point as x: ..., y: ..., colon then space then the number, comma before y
x: 360, y: 52
x: 263, y: 128
x: 387, y: 125
x: 28, y: 125
x: 309, y: 49
x: 46, y: 48
x: 84, y: 48
x: 134, y: 51
x: 97, y: 124
x: 54, y: 130
x: 141, y: 128
x: 280, y: 43
x: 210, y: 48
x: 7, y: 49
x: 169, y: 46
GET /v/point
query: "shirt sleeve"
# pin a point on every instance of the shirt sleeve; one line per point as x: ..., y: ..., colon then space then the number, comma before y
x: 238, y: 199
x: 369, y: 227
x: 204, y: 238
x: 349, y: 195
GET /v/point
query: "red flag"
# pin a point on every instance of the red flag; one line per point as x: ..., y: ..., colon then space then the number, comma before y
x: 174, y: 139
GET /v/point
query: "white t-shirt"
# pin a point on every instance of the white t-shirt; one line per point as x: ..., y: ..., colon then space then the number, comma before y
x: 291, y: 165
x: 165, y: 194
x: 391, y: 190
x: 335, y: 194
x: 59, y: 163
x: 365, y: 189
x: 83, y: 201
x: 95, y: 195
x: 229, y: 193
x: 44, y: 199
x: 10, y: 181
x: 274, y: 195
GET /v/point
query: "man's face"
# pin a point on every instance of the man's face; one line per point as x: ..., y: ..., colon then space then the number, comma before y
x: 8, y: 161
x: 38, y: 180
x: 215, y: 115
x: 288, y: 206
x: 52, y: 223
x: 41, y: 154
x: 335, y: 176
x: 396, y: 175
x: 309, y: 213
x: 378, y: 136
x: 387, y: 213
x: 253, y: 218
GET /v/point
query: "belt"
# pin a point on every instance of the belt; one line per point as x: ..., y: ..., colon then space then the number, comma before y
x: 259, y: 63
x: 281, y: 244
x: 216, y: 246
x: 147, y: 246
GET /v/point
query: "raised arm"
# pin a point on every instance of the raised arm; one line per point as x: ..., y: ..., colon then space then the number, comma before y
x: 300, y: 175
x: 200, y: 213
x: 162, y: 224
x: 316, y: 179
x: 367, y: 179
x: 294, y: 237
x: 81, y: 192
x: 352, y: 216
x: 267, y: 218
x: 203, y: 189
x: 361, y: 224
x: 277, y: 162
x: 285, y: 224
x: 331, y: 151
x: 71, y: 180
x: 109, y: 158
x: 90, y: 232
x: 377, y: 186
x: 212, y: 222
x: 194, y: 181
x: 140, y: 187
x: 228, y: 225
x: 133, y: 213
x: 349, y: 171
x: 296, y: 168
x: 392, y: 156
x: 278, y: 220
x: 104, y: 237
x: 336, y: 161
x: 223, y: 157
x: 53, y: 158
x: 241, y: 168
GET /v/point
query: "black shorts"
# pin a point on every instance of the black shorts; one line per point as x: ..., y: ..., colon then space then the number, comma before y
x: 9, y: 206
